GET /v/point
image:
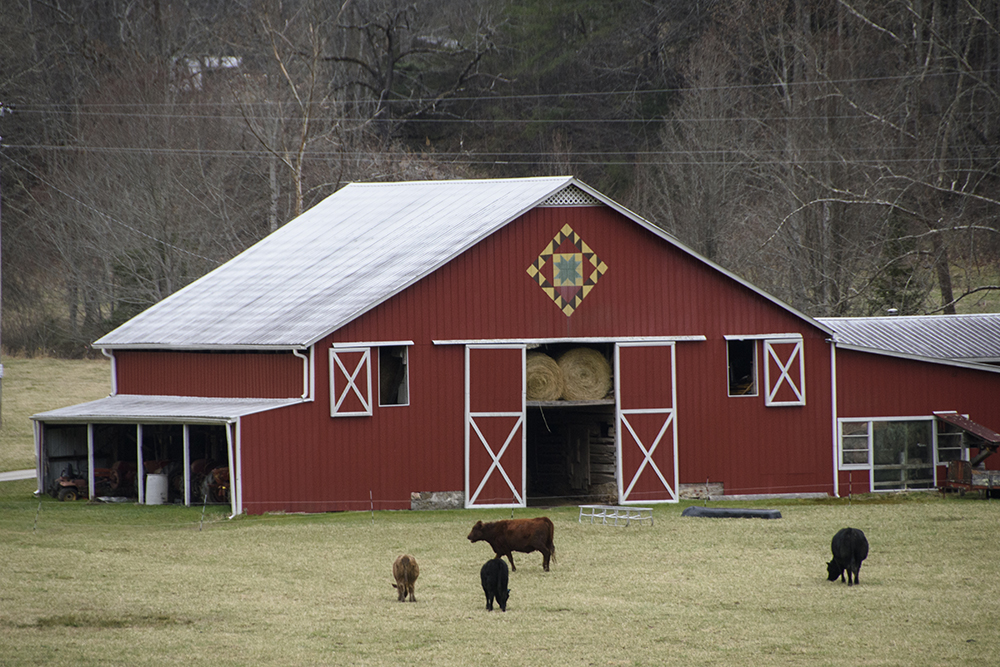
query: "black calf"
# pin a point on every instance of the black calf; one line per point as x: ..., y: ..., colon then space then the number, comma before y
x: 494, y: 577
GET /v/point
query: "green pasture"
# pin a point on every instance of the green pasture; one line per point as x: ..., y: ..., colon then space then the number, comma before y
x: 94, y: 584
x: 35, y: 385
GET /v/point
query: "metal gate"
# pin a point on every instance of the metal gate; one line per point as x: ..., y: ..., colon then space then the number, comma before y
x: 646, y: 422
x: 495, y: 459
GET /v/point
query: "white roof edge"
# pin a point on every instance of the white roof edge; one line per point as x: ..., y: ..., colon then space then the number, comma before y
x: 914, y: 357
x: 230, y: 409
x: 167, y: 347
x: 573, y: 339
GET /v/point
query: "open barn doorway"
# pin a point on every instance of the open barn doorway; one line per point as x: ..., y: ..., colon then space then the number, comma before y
x: 571, y: 455
x: 570, y: 432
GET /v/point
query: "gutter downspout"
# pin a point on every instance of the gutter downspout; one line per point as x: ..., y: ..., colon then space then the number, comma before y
x: 833, y: 410
x: 114, y: 370
x: 233, y: 479
x: 308, y: 376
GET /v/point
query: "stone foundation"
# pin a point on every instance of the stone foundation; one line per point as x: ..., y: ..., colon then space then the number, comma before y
x: 437, y: 500
x: 701, y: 491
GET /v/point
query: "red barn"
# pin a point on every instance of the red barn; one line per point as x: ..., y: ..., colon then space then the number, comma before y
x: 373, y: 352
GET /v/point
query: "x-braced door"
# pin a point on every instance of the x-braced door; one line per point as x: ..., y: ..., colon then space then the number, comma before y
x: 646, y: 422
x: 494, y: 426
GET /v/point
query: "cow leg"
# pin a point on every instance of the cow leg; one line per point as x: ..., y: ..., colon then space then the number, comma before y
x: 401, y: 590
x: 510, y: 557
x: 489, y: 602
x: 413, y: 598
x: 545, y: 560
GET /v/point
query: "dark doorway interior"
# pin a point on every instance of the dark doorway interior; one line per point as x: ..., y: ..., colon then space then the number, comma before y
x: 571, y: 454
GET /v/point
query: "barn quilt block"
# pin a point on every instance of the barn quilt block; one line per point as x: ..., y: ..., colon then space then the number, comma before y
x: 567, y: 270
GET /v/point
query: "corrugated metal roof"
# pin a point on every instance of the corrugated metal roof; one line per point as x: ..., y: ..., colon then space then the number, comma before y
x: 352, y: 251
x: 132, y: 407
x: 955, y: 337
x: 969, y: 426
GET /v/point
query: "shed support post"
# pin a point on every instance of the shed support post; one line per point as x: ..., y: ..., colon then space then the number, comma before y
x: 140, y: 476
x: 187, y: 465
x: 90, y: 460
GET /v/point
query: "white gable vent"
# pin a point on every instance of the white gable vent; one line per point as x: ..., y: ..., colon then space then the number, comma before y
x: 571, y: 196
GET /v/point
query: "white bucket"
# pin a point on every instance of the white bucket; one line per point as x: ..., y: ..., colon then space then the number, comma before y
x: 156, y: 489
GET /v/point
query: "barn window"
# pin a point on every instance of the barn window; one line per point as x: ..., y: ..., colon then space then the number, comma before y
x: 742, y: 356
x: 854, y: 444
x: 393, y: 375
x: 950, y: 443
x: 898, y: 452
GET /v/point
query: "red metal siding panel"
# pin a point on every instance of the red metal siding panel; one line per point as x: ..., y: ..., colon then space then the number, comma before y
x: 873, y: 385
x: 210, y: 374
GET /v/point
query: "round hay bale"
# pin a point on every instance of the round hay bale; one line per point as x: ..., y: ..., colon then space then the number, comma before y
x: 544, y: 378
x: 587, y: 374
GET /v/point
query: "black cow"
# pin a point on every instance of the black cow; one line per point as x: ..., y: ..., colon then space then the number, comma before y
x: 850, y: 547
x: 493, y: 574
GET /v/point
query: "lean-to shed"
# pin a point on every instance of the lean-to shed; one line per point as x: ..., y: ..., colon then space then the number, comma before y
x: 373, y: 352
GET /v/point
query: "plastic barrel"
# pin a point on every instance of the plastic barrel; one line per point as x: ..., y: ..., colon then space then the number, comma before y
x: 156, y: 489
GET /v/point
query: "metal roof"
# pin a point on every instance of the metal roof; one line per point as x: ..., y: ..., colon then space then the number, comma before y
x: 973, y: 338
x: 190, y: 409
x: 352, y: 251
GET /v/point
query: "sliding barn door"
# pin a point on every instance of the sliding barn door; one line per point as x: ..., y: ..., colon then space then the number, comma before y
x: 646, y: 422
x: 494, y: 426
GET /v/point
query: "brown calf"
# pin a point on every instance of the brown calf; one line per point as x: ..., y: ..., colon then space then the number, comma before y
x: 524, y: 535
x: 405, y: 571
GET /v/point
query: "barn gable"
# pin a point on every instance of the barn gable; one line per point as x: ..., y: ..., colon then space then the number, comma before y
x: 350, y: 252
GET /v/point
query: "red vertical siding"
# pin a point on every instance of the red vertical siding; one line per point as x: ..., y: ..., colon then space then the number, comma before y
x: 874, y: 385
x: 210, y: 374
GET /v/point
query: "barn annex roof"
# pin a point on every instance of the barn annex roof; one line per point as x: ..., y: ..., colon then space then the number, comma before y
x: 352, y: 251
x: 971, y: 338
x: 171, y: 409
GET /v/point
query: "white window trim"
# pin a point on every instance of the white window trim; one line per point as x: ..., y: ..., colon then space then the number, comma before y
x: 871, y: 452
x: 840, y: 444
x: 337, y: 397
x: 799, y: 387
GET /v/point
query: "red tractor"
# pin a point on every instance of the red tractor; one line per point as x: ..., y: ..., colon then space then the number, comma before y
x: 73, y: 484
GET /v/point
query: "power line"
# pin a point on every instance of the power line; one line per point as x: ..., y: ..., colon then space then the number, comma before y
x: 655, y: 157
x: 104, y: 215
x: 780, y: 85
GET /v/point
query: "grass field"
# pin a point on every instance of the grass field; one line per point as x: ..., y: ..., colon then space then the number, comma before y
x: 90, y: 584
x: 35, y: 385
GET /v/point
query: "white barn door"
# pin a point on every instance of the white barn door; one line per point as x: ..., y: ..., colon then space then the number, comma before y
x: 646, y: 422
x: 495, y: 456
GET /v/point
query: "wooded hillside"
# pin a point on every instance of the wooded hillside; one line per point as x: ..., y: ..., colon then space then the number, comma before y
x: 842, y: 155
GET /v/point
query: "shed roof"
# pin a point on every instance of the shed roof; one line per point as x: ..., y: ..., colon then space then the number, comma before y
x: 191, y: 409
x: 352, y: 251
x: 974, y: 337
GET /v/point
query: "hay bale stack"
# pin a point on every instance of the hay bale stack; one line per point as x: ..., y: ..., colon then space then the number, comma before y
x: 544, y: 378
x: 587, y: 374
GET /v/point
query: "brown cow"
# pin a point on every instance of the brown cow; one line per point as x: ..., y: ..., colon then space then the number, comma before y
x: 524, y: 535
x: 405, y: 571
